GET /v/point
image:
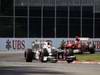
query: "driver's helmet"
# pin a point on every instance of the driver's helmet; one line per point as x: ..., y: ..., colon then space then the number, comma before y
x: 77, y: 38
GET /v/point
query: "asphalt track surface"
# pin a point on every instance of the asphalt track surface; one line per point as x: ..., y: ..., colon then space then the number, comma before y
x: 14, y: 64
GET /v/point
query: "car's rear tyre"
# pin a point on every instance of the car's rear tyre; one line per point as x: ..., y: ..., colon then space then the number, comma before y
x: 70, y: 52
x: 43, y: 55
x: 69, y: 61
x: 81, y: 51
x: 92, y: 51
x: 28, y: 55
x: 42, y: 59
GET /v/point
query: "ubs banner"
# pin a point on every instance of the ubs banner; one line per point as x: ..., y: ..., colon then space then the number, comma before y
x: 24, y: 43
x: 12, y: 44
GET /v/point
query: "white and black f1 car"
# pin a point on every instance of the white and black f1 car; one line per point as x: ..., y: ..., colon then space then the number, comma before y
x: 44, y: 51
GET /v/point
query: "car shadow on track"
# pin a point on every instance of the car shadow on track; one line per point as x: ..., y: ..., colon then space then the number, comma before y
x: 29, y: 71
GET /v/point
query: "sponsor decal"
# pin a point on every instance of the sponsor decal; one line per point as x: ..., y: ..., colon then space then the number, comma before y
x: 15, y: 44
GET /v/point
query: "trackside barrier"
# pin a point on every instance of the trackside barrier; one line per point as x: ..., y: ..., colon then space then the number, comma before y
x: 11, y: 44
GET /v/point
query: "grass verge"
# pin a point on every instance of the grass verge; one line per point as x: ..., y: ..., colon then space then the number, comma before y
x: 88, y: 57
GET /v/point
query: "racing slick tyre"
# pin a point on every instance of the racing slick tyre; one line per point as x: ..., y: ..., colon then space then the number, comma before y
x: 54, y: 57
x: 44, y: 59
x: 28, y: 55
x: 92, y: 50
x: 71, y: 59
x: 81, y: 51
x: 44, y: 55
x: 70, y: 52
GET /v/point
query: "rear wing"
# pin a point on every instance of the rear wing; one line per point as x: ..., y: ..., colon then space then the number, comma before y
x: 84, y: 39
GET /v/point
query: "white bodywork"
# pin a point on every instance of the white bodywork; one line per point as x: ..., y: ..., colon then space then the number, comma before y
x: 40, y: 46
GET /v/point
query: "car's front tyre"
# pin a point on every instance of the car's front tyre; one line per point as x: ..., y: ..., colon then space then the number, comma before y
x: 28, y: 55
